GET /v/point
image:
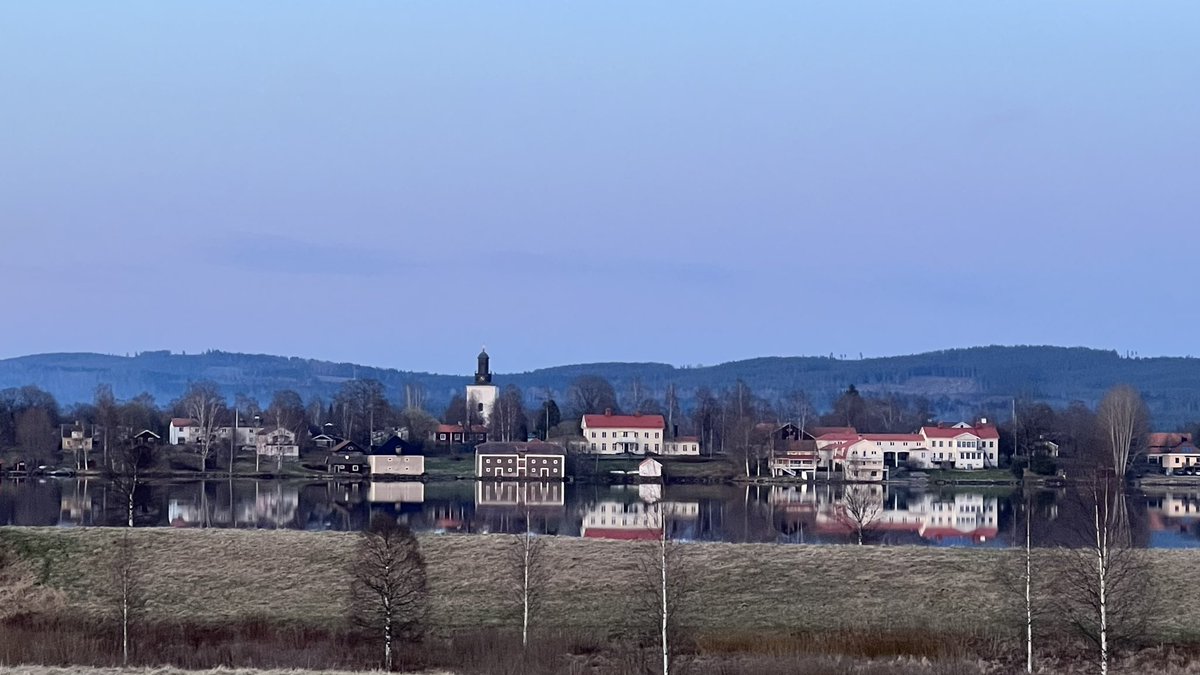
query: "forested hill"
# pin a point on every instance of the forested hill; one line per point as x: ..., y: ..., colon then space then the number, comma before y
x: 958, y: 382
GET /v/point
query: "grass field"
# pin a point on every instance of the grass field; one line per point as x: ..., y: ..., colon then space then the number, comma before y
x: 276, y: 598
x: 300, y: 578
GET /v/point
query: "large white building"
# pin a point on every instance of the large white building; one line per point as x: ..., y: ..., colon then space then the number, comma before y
x: 636, y: 434
x: 856, y: 456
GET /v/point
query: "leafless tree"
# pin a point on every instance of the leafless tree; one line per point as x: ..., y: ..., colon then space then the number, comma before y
x: 1108, y: 596
x: 1123, y: 419
x: 127, y: 470
x: 508, y: 416
x: 388, y: 591
x: 592, y: 394
x: 204, y: 403
x: 667, y: 588
x: 414, y: 396
x: 530, y: 573
x: 126, y: 594
x: 861, y: 508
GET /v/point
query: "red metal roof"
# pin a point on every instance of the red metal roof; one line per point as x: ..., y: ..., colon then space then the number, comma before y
x: 607, y: 421
x: 986, y: 432
x: 894, y: 437
x: 457, y: 429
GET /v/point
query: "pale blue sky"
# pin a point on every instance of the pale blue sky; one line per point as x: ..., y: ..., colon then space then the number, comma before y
x: 396, y: 183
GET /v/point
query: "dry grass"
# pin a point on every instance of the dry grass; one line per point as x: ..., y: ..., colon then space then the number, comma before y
x: 76, y: 670
x: 299, y: 578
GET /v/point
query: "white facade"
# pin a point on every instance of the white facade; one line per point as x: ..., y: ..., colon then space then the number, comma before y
x: 396, y: 465
x: 610, y: 434
x: 278, y: 442
x: 650, y: 468
x: 481, y: 399
x: 183, y: 431
x: 682, y: 446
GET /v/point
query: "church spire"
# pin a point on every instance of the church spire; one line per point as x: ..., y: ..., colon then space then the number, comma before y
x: 482, y: 374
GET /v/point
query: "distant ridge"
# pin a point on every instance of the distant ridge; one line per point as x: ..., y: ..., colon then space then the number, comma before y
x: 959, y: 382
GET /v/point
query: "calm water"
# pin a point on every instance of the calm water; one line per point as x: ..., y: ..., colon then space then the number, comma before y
x: 812, y: 514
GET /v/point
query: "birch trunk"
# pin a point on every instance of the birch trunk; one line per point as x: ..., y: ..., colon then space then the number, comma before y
x: 666, y: 660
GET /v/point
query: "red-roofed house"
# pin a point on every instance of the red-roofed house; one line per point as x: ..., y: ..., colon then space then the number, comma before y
x: 456, y: 434
x: 962, y: 446
x: 183, y: 430
x: 636, y: 434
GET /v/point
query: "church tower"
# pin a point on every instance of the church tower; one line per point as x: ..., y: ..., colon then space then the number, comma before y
x: 482, y: 394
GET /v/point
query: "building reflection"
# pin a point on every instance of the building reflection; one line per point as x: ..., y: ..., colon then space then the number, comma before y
x: 802, y: 513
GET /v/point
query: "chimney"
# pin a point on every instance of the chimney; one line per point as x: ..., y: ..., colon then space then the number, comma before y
x: 637, y: 414
x: 983, y: 421
x: 608, y: 412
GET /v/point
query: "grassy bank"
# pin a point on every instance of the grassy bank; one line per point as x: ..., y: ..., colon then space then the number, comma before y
x: 299, y: 578
x: 762, y: 608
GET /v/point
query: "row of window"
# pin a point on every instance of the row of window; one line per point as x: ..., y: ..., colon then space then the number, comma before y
x: 645, y: 448
x: 625, y: 434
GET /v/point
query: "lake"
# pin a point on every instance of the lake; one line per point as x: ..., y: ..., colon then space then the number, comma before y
x: 803, y: 514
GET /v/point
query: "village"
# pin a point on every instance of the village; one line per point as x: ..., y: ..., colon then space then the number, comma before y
x: 616, y: 446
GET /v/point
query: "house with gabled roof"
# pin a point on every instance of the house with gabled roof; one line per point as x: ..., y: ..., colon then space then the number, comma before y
x: 614, y: 434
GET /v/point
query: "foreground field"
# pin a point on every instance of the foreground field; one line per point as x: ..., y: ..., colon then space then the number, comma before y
x: 798, y: 603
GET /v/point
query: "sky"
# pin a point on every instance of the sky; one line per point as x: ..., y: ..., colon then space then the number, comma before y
x: 399, y: 183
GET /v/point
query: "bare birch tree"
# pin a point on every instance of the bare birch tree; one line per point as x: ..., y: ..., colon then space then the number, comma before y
x: 129, y: 465
x: 203, y: 403
x: 1108, y: 594
x: 667, y: 588
x: 862, y: 507
x: 126, y: 591
x: 1123, y: 419
x: 388, y: 593
x: 530, y: 572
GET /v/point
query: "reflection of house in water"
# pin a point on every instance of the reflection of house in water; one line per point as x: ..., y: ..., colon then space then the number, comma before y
x: 635, y: 520
x: 510, y: 493
x: 1174, y: 512
x: 962, y: 516
x: 78, y: 504
x: 273, y: 505
x: 396, y: 492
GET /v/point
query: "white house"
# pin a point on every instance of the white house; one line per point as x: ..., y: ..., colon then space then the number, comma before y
x: 278, y: 442
x: 682, y: 445
x: 635, y: 434
x: 962, y: 446
x: 182, y: 430
x: 650, y: 468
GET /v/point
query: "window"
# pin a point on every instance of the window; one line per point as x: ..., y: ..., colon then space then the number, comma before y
x: 656, y: 434
x: 656, y: 447
x: 593, y: 446
x: 604, y: 446
x: 593, y: 434
x: 603, y: 434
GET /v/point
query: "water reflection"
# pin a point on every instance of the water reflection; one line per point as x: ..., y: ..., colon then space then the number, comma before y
x: 794, y: 514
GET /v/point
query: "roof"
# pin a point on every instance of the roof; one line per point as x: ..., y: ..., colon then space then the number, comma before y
x: 347, y: 458
x: 516, y: 448
x: 1160, y: 440
x: 839, y: 436
x: 817, y: 432
x: 268, y: 432
x: 894, y: 437
x: 146, y: 432
x: 458, y: 428
x: 985, y: 431
x: 182, y: 422
x: 395, y: 446
x: 650, y: 460
x: 1185, y: 448
x: 344, y: 447
x: 611, y: 421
